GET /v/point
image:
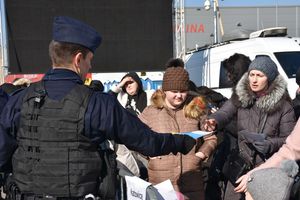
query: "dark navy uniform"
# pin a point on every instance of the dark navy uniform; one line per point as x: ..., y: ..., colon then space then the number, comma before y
x: 105, y: 119
x: 50, y: 132
x: 3, y: 99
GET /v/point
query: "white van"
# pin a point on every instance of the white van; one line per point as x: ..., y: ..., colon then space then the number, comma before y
x: 206, y: 68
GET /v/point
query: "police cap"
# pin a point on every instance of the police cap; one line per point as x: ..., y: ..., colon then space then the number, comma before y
x: 67, y: 29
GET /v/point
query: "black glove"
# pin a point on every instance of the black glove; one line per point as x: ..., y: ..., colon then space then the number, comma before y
x: 187, y: 143
x: 262, y: 146
x: 258, y: 141
x: 252, y: 137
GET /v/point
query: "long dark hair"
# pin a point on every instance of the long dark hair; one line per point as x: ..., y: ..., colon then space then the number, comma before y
x: 236, y: 65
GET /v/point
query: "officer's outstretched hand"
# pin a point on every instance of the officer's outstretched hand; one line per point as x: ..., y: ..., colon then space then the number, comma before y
x: 187, y: 143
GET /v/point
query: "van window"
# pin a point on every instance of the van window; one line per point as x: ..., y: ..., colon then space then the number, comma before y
x: 224, y: 82
x: 290, y: 62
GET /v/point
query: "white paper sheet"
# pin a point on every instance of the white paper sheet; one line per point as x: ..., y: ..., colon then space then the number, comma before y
x: 136, y: 188
x: 166, y: 190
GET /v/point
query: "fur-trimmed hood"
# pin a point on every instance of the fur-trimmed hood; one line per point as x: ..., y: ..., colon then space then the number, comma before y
x: 157, y: 99
x: 277, y: 91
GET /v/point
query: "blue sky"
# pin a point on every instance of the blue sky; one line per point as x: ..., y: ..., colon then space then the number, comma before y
x: 199, y: 3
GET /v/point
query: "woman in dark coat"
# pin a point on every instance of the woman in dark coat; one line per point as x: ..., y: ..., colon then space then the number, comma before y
x: 265, y: 116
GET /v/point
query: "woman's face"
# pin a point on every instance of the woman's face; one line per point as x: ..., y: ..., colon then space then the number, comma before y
x: 131, y: 86
x: 258, y: 81
x: 175, y: 98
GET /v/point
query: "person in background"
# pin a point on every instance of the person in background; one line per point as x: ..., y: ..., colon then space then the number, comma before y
x: 51, y: 132
x: 133, y: 98
x: 289, y: 151
x: 265, y: 116
x: 174, y: 62
x: 22, y: 82
x: 218, y: 187
x: 212, y: 168
x: 296, y: 100
x: 9, y: 88
x: 18, y: 84
x: 97, y: 85
x: 236, y: 66
x: 273, y: 183
x: 167, y: 114
x: 130, y: 93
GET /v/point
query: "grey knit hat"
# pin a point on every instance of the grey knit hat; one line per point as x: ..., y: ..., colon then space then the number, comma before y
x: 273, y: 183
x: 266, y: 65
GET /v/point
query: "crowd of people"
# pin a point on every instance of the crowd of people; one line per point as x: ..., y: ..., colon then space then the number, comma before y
x: 56, y: 134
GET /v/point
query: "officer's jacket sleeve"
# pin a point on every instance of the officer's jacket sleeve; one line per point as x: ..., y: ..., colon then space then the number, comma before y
x: 10, y: 117
x: 107, y: 119
x: 3, y: 99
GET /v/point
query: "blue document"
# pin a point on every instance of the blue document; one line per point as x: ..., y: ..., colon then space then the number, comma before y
x: 197, y: 134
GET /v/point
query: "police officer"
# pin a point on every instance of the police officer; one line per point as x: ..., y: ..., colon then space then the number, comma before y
x: 50, y: 131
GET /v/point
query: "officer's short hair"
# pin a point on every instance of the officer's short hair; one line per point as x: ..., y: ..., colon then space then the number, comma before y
x: 62, y: 53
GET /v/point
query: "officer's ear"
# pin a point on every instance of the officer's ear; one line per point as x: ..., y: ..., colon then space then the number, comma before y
x: 77, y: 59
x: 76, y: 62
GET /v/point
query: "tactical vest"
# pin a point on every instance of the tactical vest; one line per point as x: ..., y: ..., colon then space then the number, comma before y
x: 53, y: 157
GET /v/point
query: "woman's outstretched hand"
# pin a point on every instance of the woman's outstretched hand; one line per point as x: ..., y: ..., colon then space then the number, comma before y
x: 242, y: 181
x: 210, y: 125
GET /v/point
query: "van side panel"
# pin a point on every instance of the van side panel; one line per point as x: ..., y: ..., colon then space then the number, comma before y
x: 195, y: 66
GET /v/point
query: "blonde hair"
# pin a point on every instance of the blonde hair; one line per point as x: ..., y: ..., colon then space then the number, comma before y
x: 158, y: 98
x: 22, y: 82
x: 196, y: 108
